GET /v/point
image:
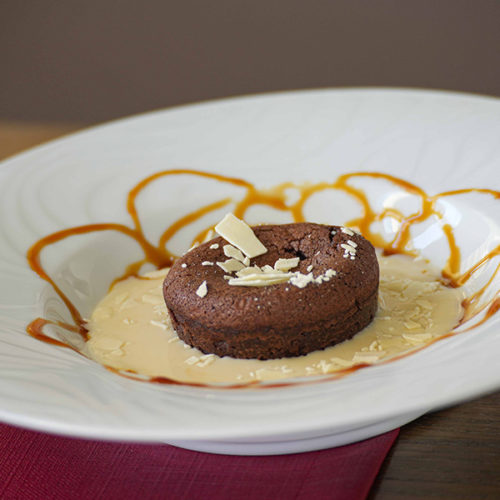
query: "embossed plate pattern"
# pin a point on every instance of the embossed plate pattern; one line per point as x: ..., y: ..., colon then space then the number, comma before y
x: 440, y: 141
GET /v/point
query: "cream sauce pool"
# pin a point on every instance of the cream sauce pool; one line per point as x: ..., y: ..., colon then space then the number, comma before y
x: 130, y: 330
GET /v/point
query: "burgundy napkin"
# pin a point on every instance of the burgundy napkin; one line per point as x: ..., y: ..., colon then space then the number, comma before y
x: 40, y: 466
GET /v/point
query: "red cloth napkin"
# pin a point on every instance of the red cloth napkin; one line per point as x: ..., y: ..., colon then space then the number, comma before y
x: 40, y: 466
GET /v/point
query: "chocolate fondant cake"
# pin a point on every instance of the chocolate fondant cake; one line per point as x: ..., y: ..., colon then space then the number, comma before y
x: 329, y: 295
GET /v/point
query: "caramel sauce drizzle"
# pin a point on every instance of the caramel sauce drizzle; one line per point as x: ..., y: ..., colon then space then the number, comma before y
x: 276, y: 198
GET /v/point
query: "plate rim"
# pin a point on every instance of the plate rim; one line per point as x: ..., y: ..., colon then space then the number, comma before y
x: 95, y: 129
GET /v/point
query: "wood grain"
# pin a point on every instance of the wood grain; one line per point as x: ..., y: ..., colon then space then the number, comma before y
x: 450, y: 454
x: 18, y: 136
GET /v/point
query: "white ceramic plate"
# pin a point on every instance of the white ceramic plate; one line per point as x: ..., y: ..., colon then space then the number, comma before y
x: 437, y: 140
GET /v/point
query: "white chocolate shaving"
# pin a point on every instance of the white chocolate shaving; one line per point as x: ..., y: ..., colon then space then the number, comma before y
x: 265, y: 276
x: 286, y: 264
x: 240, y: 234
x: 348, y: 248
x: 367, y: 357
x: 205, y: 360
x: 230, y: 265
x: 417, y: 338
x: 159, y: 324
x: 234, y: 253
x: 259, y: 280
x: 301, y: 280
x: 202, y: 290
x: 249, y: 270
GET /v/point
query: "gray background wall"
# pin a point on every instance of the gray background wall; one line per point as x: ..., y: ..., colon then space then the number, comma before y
x: 99, y: 59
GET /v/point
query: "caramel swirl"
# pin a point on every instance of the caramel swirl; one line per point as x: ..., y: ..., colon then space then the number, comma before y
x: 159, y: 255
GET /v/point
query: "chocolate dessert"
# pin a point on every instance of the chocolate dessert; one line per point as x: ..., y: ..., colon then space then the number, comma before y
x: 312, y: 286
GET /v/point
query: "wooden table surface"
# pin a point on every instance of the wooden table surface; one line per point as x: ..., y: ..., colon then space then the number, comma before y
x: 450, y: 454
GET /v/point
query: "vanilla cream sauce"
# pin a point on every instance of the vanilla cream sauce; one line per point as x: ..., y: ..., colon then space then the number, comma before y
x: 130, y: 330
